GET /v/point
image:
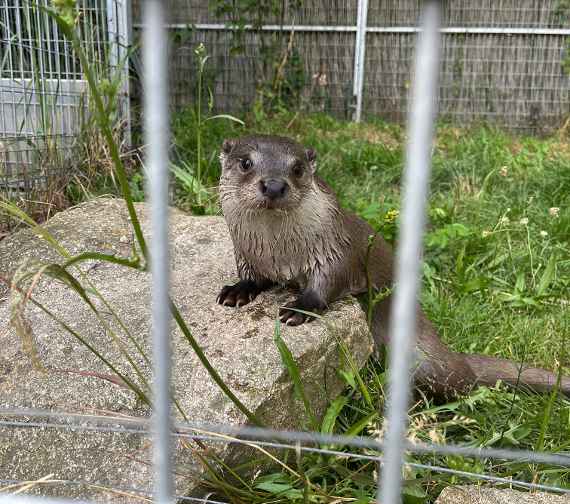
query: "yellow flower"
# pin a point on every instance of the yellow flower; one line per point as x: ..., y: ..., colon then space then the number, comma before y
x: 391, y: 216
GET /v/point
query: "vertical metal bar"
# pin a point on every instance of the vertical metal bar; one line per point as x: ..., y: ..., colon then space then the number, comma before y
x: 120, y: 37
x: 119, y: 30
x: 359, y: 51
x: 95, y: 28
x: 125, y: 42
x: 157, y: 135
x: 49, y: 51
x: 12, y: 78
x: 416, y: 180
x: 20, y: 36
x: 112, y: 31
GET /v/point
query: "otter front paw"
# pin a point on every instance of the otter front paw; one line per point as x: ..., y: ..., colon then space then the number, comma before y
x: 240, y: 294
x: 309, y: 301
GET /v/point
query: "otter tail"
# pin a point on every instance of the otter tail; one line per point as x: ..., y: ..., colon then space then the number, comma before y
x: 449, y: 373
x: 488, y: 370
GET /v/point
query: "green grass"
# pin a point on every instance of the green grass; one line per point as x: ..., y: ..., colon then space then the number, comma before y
x: 496, y: 281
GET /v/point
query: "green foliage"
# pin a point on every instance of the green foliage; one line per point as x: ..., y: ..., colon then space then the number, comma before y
x: 66, y: 9
x: 294, y: 374
x: 194, y: 179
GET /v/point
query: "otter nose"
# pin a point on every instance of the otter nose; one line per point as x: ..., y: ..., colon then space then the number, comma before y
x: 273, y: 188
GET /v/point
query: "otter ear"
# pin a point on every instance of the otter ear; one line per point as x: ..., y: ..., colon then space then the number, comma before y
x: 228, y: 145
x: 312, y: 159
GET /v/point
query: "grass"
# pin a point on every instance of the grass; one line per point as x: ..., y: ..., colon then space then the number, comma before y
x: 496, y: 281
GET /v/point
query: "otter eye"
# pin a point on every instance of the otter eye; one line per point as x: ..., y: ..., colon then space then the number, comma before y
x: 245, y: 164
x: 298, y: 170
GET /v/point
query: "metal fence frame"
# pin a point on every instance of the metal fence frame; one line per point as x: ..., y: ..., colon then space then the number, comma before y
x: 41, y: 77
x: 361, y: 29
x: 420, y: 134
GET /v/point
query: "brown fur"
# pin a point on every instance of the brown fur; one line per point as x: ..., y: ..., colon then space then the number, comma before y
x: 306, y: 240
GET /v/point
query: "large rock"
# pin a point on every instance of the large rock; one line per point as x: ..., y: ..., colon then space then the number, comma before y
x: 488, y: 495
x: 238, y: 342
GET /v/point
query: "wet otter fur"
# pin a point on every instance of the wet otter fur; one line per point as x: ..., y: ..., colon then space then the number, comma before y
x: 287, y: 228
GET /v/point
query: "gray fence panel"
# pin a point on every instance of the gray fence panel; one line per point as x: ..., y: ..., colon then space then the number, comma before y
x: 504, y: 62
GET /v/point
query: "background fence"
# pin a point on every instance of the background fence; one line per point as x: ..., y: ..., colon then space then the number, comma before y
x: 43, y: 93
x: 504, y: 62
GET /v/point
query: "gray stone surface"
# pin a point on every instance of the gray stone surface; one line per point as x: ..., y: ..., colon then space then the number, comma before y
x: 238, y: 342
x: 488, y: 495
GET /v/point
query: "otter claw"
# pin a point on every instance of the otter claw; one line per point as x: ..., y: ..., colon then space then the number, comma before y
x: 293, y: 318
x: 238, y: 295
x: 309, y: 301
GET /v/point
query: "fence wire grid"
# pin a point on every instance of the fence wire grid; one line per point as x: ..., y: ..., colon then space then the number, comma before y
x: 44, y: 102
x: 390, y: 456
x: 504, y: 62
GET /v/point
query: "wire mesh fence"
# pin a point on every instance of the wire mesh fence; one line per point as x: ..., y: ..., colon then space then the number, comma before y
x: 389, y: 461
x: 44, y: 103
x: 504, y: 63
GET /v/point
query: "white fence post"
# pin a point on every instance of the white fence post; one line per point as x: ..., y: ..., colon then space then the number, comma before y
x: 119, y: 27
x: 359, y: 51
x: 403, y: 323
x: 157, y: 133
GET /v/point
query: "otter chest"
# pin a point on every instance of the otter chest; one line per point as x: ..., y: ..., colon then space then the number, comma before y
x: 282, y: 256
x: 280, y: 249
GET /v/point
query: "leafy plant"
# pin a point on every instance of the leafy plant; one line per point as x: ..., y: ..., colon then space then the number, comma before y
x: 194, y: 179
x: 280, y: 70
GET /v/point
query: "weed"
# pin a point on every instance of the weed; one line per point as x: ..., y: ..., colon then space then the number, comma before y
x: 197, y: 181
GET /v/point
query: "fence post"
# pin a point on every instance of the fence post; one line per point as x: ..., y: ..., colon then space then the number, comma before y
x: 359, y: 51
x: 403, y: 323
x: 119, y: 28
x: 157, y: 129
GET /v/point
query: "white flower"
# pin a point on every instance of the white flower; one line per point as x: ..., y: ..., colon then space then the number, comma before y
x: 485, y: 233
x: 504, y: 172
x: 554, y: 211
x: 504, y: 220
x: 544, y: 234
x: 523, y: 221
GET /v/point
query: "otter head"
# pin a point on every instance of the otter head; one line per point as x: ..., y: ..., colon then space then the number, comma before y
x: 266, y: 172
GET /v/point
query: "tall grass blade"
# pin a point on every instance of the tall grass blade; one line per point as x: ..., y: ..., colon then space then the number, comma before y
x: 206, y: 363
x: 294, y: 374
x: 104, y: 123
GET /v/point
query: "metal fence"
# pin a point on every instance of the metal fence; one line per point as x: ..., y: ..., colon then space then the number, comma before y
x: 44, y: 101
x: 504, y: 62
x: 389, y: 455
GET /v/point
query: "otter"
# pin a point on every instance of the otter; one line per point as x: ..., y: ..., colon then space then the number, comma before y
x: 288, y: 228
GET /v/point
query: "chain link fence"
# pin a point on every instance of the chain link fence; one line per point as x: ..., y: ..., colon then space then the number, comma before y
x: 503, y: 62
